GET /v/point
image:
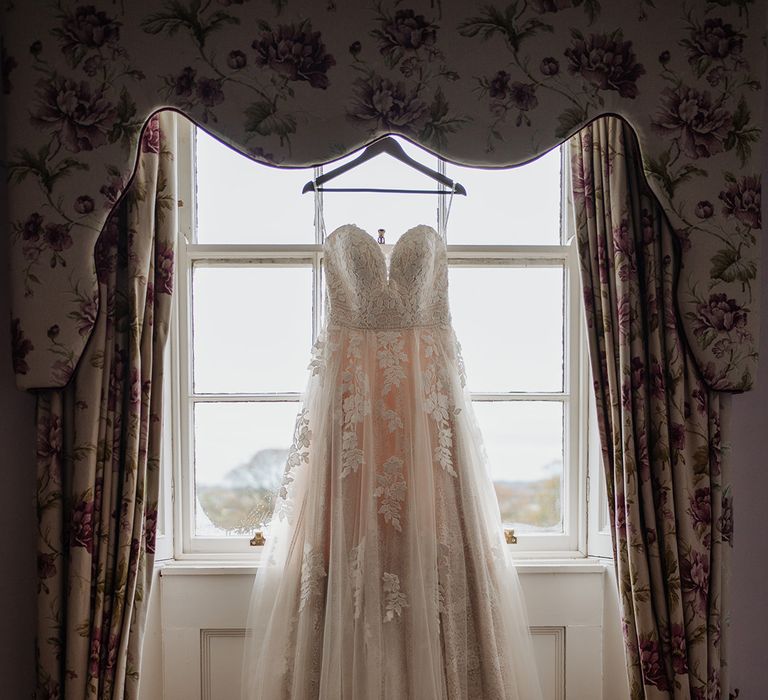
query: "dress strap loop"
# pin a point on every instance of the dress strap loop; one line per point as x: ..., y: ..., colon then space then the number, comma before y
x: 319, y: 214
x: 448, y: 210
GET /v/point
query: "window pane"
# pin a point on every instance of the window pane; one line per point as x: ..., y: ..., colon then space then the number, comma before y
x: 524, y: 442
x: 509, y: 321
x: 515, y: 206
x: 240, y: 452
x: 252, y: 328
x: 395, y: 213
x: 241, y: 201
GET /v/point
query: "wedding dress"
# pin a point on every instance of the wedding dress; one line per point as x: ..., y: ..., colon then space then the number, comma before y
x: 385, y: 574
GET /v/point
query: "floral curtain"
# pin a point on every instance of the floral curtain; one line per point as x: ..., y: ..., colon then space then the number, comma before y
x: 98, y: 448
x: 660, y: 425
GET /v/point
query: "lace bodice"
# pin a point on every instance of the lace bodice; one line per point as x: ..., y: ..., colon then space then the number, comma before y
x: 362, y: 295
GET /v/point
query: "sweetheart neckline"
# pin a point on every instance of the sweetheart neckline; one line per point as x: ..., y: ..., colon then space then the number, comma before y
x: 380, y: 255
x: 355, y: 227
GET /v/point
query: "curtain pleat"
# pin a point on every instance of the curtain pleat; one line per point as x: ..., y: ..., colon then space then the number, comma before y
x: 661, y: 426
x: 98, y: 449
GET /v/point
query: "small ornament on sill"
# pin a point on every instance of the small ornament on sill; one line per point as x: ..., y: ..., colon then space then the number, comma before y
x: 381, y: 236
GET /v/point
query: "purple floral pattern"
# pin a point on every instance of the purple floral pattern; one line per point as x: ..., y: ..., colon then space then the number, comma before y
x: 295, y: 53
x: 405, y: 33
x: 741, y: 199
x: 388, y: 106
x: 713, y: 41
x: 606, y: 62
x: 88, y: 31
x: 80, y: 117
x: 150, y: 138
x: 660, y: 425
x: 718, y: 316
x: 21, y: 346
x: 490, y: 84
x: 694, y: 121
x: 96, y: 540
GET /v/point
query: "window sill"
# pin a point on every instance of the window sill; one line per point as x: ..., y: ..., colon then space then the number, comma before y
x: 245, y: 568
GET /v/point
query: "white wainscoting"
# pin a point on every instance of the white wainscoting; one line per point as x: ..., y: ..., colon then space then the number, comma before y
x: 549, y: 647
x: 220, y: 655
x: 203, y: 608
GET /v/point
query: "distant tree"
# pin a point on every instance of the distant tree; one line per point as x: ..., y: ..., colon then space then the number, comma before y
x: 262, y: 471
x: 531, y: 504
x: 245, y: 499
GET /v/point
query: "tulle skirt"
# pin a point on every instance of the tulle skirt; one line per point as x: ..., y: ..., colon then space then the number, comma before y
x: 385, y: 573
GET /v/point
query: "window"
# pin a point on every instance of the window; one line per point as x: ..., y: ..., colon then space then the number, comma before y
x: 250, y: 302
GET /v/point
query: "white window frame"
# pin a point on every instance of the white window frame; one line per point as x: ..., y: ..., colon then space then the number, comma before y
x: 576, y: 488
x: 599, y: 542
x: 164, y: 545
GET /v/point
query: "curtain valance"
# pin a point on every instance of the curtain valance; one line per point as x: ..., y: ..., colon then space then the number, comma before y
x: 300, y: 83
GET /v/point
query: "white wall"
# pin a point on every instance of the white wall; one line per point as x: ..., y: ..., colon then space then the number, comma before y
x: 151, y: 680
x: 749, y: 435
x: 17, y: 513
x: 749, y: 567
x: 615, y: 681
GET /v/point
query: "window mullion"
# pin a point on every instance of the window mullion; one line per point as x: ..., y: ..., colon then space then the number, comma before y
x: 317, y: 273
x: 534, y: 255
x: 442, y: 209
x: 518, y: 396
x: 185, y: 511
x: 577, y: 414
x: 186, y: 179
x: 256, y: 397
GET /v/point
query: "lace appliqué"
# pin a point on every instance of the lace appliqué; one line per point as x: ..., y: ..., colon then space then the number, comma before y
x: 298, y: 454
x: 356, y: 404
x: 438, y: 406
x: 391, y: 489
x: 460, y: 363
x: 318, y: 357
x: 391, y: 356
x: 390, y: 417
x: 356, y: 557
x: 394, y: 599
x: 312, y: 573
